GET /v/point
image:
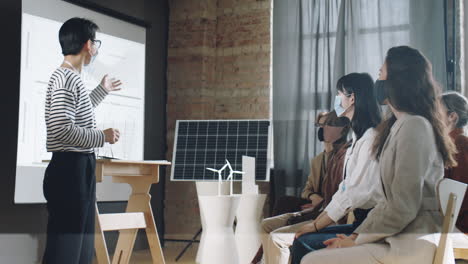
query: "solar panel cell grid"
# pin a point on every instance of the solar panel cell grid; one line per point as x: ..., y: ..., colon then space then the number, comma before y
x: 208, y: 143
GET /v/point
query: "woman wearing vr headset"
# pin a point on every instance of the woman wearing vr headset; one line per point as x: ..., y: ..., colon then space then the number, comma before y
x: 291, y: 212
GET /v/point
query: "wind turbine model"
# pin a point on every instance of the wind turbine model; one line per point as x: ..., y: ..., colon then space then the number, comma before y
x: 220, y: 177
x: 231, y: 174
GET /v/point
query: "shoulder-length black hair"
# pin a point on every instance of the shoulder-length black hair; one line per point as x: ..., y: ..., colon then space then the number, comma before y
x: 367, y: 112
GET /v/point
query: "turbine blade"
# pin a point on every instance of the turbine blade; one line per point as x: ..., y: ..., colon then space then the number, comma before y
x: 229, y: 165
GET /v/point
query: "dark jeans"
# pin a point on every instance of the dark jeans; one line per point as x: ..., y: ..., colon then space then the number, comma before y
x: 314, y: 241
x: 70, y: 190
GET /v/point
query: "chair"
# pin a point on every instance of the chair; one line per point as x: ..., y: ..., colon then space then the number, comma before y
x: 450, y: 194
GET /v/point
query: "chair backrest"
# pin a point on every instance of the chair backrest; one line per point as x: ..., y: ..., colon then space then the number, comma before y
x: 444, y: 188
x: 450, y: 195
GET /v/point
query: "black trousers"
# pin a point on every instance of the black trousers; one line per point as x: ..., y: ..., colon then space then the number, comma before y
x: 70, y: 190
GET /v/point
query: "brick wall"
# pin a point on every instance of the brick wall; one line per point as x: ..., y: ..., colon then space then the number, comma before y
x: 218, y: 68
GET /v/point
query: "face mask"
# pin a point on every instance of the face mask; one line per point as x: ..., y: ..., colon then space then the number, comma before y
x: 88, y: 70
x: 93, y: 58
x: 332, y: 133
x: 380, y: 91
x: 333, y: 130
x: 93, y: 55
x: 338, y: 108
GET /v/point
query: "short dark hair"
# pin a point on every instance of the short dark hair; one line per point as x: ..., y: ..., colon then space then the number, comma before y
x: 74, y: 33
x: 455, y: 102
x: 367, y: 112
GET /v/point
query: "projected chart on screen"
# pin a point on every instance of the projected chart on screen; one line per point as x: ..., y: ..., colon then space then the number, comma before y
x: 41, y: 55
x: 129, y: 124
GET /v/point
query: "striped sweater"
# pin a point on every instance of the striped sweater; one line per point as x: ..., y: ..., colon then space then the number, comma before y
x: 69, y: 113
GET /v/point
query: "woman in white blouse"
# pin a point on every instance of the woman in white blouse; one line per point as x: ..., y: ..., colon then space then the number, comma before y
x: 411, y: 145
x: 356, y: 191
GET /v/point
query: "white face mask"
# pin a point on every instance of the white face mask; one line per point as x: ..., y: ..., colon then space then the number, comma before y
x: 88, y: 70
x: 339, y: 109
x: 93, y: 56
x: 338, y: 106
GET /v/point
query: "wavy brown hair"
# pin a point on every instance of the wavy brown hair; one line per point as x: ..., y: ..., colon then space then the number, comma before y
x: 411, y: 88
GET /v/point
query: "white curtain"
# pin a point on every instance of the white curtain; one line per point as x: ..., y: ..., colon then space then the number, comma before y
x: 315, y: 42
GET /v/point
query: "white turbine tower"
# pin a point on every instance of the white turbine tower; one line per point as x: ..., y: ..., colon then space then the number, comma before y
x: 220, y: 177
x: 231, y: 174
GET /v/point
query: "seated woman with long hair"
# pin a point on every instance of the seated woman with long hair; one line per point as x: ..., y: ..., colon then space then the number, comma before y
x: 355, y: 101
x: 412, y: 147
x: 456, y: 119
x: 360, y: 177
x: 455, y: 108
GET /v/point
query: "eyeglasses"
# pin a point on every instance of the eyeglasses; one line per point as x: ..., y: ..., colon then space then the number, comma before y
x: 97, y: 43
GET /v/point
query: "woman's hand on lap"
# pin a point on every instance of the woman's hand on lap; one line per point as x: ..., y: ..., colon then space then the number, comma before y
x: 341, y: 241
x: 308, y: 228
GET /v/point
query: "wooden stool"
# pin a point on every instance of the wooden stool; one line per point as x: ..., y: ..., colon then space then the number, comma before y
x: 140, y: 175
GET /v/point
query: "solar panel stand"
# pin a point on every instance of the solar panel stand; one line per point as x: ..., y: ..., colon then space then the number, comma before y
x: 189, y: 244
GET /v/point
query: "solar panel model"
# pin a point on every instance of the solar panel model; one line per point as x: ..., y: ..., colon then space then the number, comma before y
x: 201, y: 144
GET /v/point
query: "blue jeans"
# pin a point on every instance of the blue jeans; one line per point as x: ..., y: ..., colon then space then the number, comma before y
x: 314, y: 241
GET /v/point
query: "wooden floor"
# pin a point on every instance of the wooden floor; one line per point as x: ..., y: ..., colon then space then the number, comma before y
x: 171, y: 250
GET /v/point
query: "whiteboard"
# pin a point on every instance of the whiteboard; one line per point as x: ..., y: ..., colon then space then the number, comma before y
x: 41, y: 55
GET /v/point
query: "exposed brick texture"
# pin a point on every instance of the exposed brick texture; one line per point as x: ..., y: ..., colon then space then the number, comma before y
x: 218, y: 68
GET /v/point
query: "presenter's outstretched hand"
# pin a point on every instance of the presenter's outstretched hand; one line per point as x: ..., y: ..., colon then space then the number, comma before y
x: 111, y: 84
x: 111, y: 135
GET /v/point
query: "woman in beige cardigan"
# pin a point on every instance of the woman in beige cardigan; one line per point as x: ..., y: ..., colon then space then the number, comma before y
x: 412, y: 146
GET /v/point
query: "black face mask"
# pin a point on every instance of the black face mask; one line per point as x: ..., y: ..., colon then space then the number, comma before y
x: 380, y: 91
x: 333, y: 131
x: 320, y: 134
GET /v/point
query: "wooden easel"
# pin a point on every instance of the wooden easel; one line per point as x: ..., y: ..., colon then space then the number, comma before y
x: 140, y: 175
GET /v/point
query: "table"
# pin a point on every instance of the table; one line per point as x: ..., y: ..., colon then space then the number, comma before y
x: 139, y: 215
